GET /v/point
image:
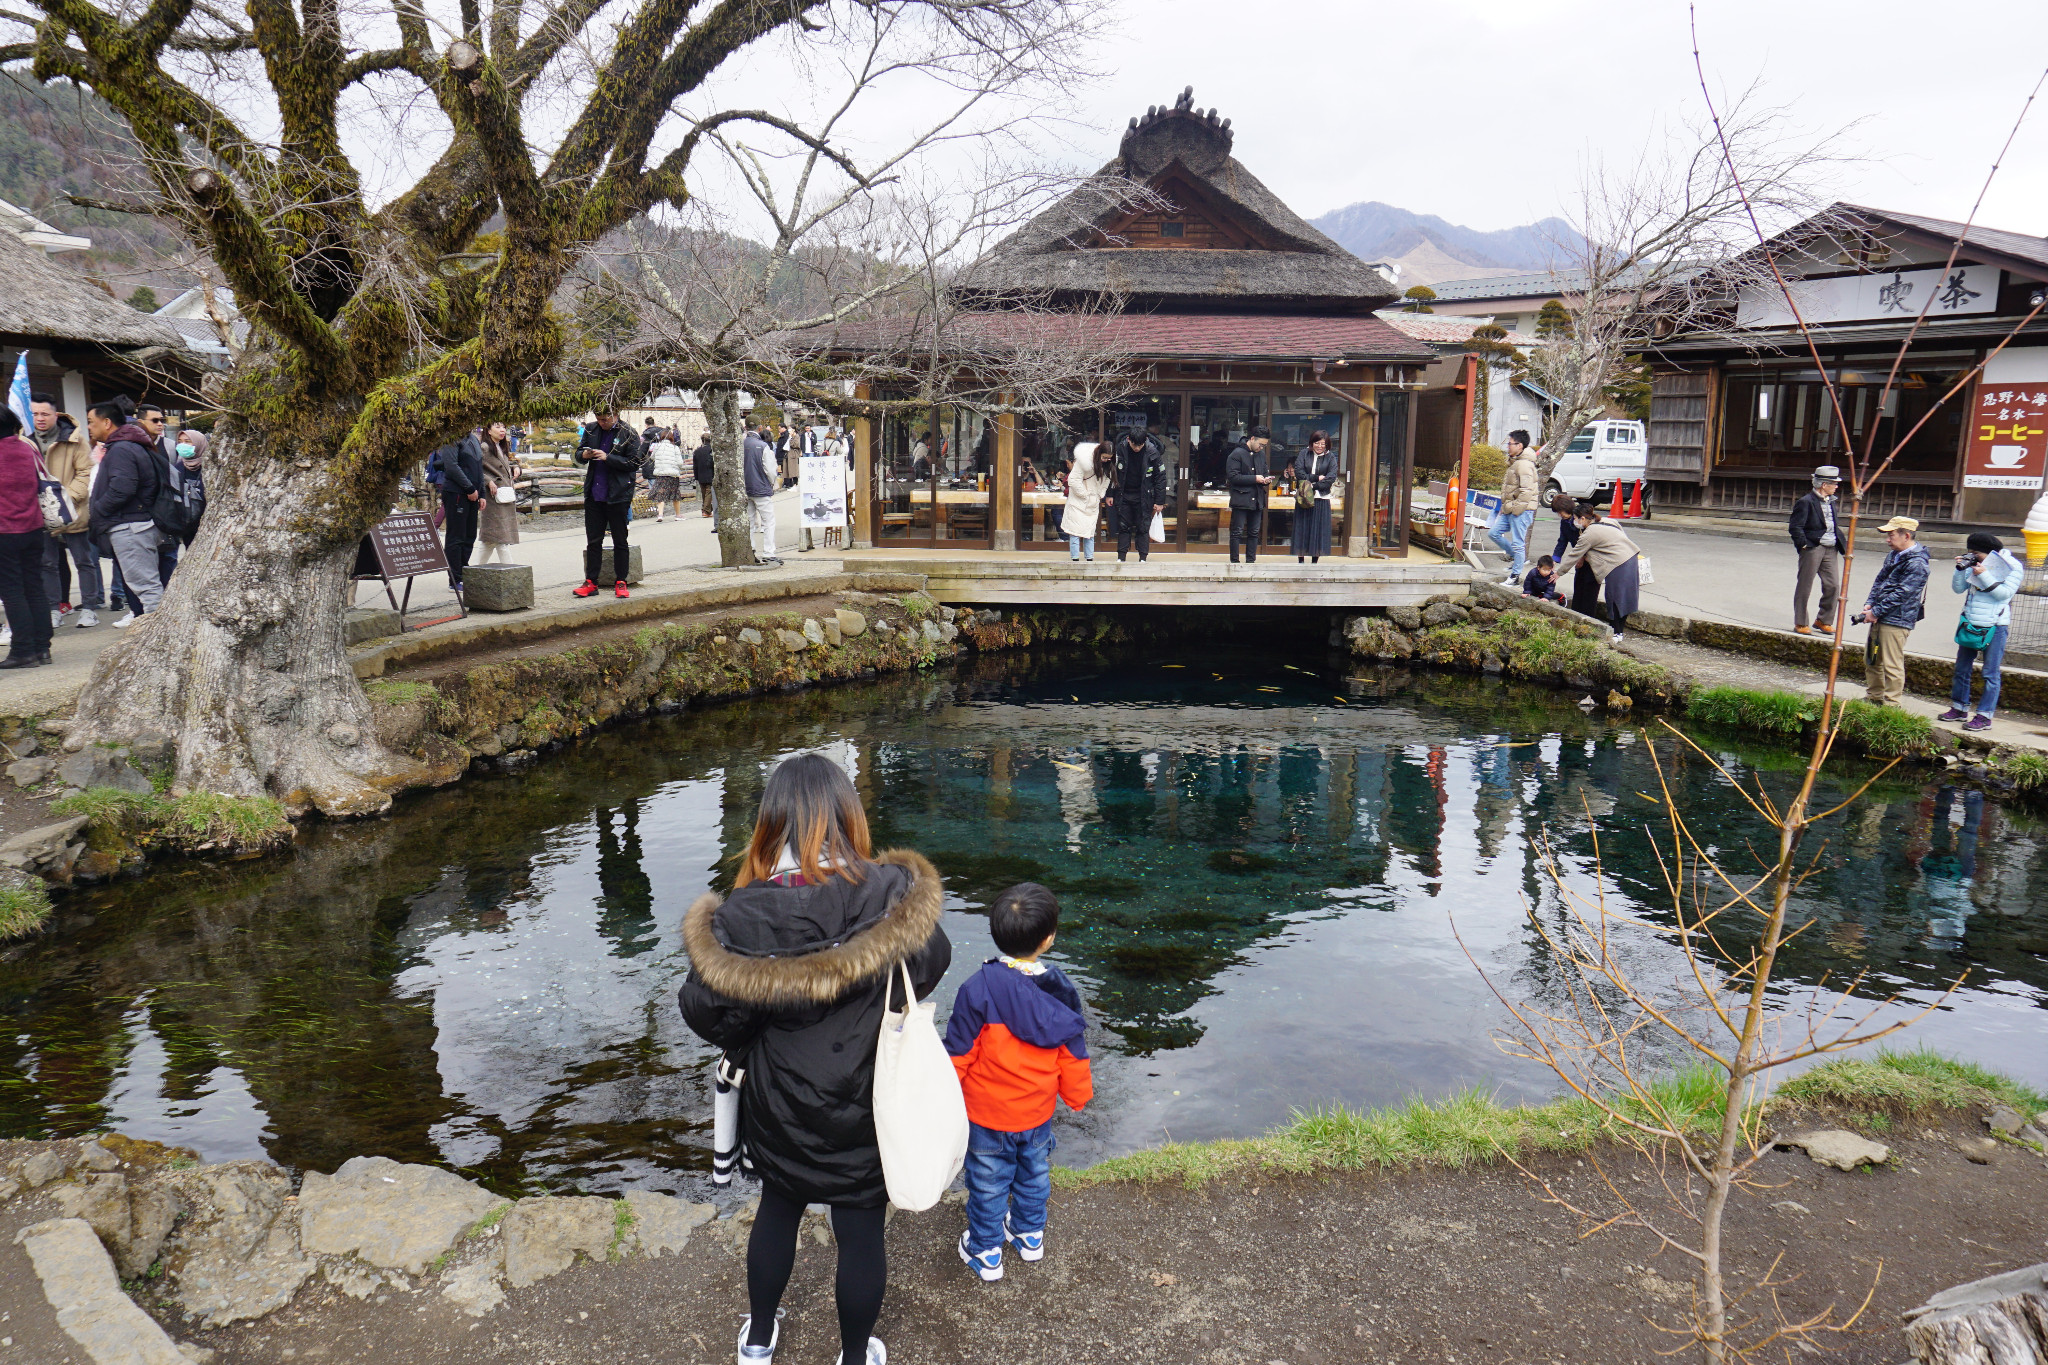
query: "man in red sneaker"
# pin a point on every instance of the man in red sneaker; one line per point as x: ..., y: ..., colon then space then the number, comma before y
x: 611, y: 457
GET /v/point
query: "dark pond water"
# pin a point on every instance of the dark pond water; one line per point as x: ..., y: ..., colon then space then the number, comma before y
x: 1260, y: 872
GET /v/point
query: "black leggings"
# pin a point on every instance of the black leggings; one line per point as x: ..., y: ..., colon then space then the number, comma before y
x: 599, y: 517
x: 863, y: 1269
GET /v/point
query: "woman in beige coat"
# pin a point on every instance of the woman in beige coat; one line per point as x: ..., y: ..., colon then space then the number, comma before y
x: 1086, y: 484
x: 1614, y: 560
x: 499, y: 525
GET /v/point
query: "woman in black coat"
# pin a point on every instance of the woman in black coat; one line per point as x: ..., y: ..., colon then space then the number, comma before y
x: 789, y: 977
x: 1313, y: 472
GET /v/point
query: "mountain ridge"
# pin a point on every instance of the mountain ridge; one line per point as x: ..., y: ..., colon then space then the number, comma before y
x: 1430, y: 249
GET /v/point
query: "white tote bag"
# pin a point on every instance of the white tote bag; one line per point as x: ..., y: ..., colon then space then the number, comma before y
x: 920, y: 1114
x: 1157, y: 530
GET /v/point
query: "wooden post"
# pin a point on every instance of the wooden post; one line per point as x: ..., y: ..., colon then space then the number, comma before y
x: 1365, y: 478
x: 1003, y: 483
x: 1454, y: 517
x: 867, y: 489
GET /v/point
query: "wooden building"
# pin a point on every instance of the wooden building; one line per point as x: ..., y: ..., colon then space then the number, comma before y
x: 83, y: 346
x: 1740, y: 418
x: 1235, y: 313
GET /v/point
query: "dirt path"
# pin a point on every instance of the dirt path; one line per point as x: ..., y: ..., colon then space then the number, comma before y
x: 1428, y: 1265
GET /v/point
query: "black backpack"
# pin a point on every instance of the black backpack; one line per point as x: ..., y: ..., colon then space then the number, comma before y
x: 168, y: 508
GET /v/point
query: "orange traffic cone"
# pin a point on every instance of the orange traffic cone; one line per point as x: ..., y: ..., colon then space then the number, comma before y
x: 1635, y: 502
x: 1615, y: 510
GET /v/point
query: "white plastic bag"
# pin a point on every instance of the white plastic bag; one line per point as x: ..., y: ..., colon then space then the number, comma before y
x: 920, y: 1114
x: 1643, y: 570
x: 1158, y: 528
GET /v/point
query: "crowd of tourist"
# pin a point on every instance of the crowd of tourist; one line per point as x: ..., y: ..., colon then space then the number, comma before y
x: 104, y: 510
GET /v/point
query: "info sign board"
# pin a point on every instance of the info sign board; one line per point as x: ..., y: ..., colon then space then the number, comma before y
x: 2008, y: 436
x: 821, y: 491
x: 403, y: 545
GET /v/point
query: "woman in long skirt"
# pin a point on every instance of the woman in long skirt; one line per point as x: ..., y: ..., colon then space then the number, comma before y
x: 1313, y: 472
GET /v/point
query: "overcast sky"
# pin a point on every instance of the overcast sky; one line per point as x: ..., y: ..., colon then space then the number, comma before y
x: 1482, y: 111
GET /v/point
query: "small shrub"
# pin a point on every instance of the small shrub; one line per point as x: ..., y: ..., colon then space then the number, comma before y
x: 2025, y: 769
x: 1489, y: 466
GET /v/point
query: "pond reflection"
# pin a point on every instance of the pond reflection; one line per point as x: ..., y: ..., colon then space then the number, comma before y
x: 1260, y: 866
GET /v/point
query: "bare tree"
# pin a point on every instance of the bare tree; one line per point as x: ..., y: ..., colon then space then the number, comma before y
x: 381, y: 322
x: 1664, y: 247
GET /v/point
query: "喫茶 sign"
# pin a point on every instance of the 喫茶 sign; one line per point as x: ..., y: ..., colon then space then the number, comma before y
x: 2008, y: 436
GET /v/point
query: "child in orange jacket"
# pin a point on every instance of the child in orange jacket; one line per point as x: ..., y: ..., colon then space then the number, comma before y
x: 1018, y: 1041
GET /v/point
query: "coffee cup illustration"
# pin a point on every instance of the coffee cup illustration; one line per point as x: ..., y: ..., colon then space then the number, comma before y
x: 2007, y: 457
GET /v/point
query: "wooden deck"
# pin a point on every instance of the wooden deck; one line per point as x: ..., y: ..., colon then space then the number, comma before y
x: 985, y: 578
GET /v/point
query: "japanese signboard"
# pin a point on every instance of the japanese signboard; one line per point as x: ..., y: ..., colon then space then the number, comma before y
x: 400, y: 546
x: 2008, y: 436
x: 1900, y: 294
x: 821, y: 490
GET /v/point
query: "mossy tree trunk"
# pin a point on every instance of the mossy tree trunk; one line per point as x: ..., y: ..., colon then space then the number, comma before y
x: 728, y: 475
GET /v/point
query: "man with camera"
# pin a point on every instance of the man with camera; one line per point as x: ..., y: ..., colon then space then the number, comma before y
x: 1897, y: 601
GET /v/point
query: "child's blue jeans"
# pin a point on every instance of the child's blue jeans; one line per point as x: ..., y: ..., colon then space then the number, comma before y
x: 1006, y: 1172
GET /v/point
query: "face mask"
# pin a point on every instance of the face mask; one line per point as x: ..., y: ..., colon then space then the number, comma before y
x: 186, y: 452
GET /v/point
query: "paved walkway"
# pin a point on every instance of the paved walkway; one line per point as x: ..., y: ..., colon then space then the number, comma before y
x: 674, y: 552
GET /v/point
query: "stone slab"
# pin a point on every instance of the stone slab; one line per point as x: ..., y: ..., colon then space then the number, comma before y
x: 498, y: 587
x: 79, y: 1281
x: 607, y: 575
x: 544, y: 1234
x: 662, y: 1222
x: 362, y: 624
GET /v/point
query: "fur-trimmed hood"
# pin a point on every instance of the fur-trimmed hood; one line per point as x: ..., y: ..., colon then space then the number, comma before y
x: 804, y: 945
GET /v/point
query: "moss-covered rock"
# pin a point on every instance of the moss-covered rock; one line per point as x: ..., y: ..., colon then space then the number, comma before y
x: 1514, y: 637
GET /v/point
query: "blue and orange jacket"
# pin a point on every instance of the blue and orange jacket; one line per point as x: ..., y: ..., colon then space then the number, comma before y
x: 1018, y: 1042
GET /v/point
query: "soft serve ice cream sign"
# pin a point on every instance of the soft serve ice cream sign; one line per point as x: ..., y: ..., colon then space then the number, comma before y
x: 2009, y: 423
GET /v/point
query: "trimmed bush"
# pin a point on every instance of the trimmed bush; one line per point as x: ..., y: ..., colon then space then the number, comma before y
x: 1886, y: 731
x: 1740, y: 708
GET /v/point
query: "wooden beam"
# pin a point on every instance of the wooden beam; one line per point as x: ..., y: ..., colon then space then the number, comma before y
x: 1003, y: 483
x: 867, y: 490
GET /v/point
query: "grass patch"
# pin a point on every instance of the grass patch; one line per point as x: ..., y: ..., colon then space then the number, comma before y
x: 24, y: 905
x: 195, y: 822
x: 622, y: 1228
x: 392, y: 693
x: 2025, y: 769
x: 1457, y: 1131
x: 1742, y: 708
x: 1472, y: 1127
x: 1886, y: 731
x: 490, y: 1219
x: 1912, y: 1082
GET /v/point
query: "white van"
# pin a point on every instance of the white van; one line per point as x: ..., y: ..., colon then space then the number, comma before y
x: 1602, y: 453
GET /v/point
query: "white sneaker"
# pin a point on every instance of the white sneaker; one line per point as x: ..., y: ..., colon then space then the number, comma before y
x: 56, y: 618
x: 1511, y: 582
x: 878, y: 1354
x: 756, y: 1355
x: 87, y: 618
x: 1617, y: 639
x: 127, y: 619
x: 6, y: 635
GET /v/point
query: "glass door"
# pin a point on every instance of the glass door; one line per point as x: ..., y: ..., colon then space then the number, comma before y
x: 1045, y: 452
x: 932, y: 469
x: 1297, y: 421
x: 1216, y: 423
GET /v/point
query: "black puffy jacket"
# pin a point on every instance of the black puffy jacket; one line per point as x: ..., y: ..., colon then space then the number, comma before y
x: 1242, y: 470
x: 790, y: 982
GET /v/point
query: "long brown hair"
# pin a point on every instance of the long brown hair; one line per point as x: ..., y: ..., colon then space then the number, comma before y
x: 809, y: 807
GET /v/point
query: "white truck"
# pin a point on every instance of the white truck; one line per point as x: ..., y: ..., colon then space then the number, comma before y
x: 1604, y: 452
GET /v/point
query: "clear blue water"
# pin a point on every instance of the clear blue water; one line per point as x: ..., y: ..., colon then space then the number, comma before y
x: 1261, y: 872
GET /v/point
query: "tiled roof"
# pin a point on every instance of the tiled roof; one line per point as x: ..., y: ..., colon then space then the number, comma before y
x: 1437, y: 328
x: 2018, y: 245
x: 1537, y: 286
x: 1145, y: 336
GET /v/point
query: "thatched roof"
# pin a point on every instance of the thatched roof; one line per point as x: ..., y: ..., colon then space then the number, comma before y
x: 41, y: 302
x: 1293, y: 266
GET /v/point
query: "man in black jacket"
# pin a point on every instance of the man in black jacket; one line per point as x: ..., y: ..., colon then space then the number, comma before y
x: 124, y: 501
x: 703, y: 469
x: 1138, y: 483
x: 462, y: 499
x: 611, y: 454
x: 1818, y: 539
x: 1245, y: 472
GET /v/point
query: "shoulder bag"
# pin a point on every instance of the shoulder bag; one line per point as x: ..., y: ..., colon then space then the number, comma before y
x: 920, y: 1114
x: 51, y: 497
